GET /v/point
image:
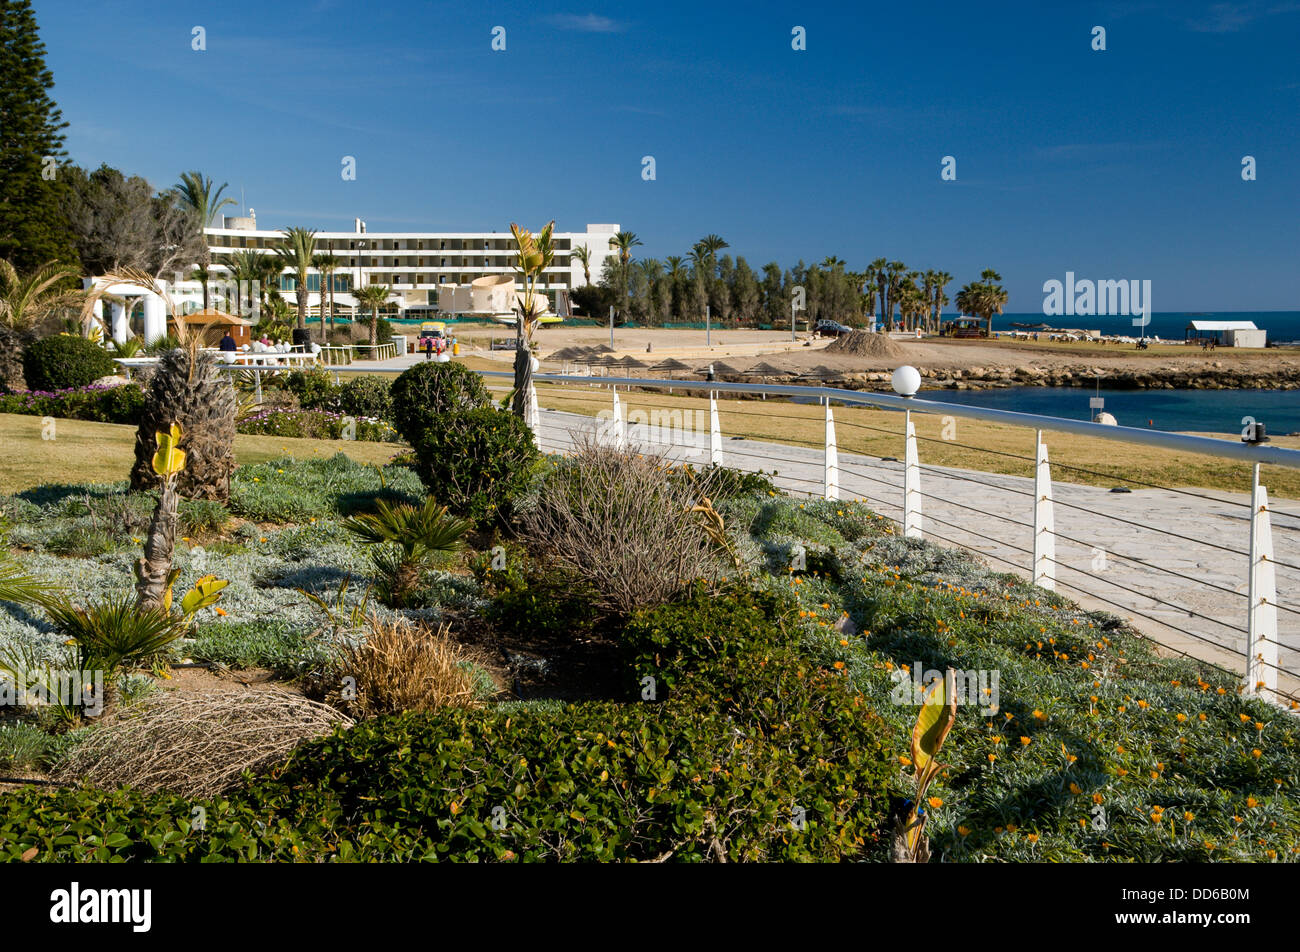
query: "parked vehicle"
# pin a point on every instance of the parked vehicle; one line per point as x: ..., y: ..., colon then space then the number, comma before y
x: 829, y: 328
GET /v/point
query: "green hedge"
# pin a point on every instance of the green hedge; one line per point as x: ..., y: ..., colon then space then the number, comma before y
x: 476, y: 462
x: 122, y: 404
x: 755, y: 755
x: 64, y: 361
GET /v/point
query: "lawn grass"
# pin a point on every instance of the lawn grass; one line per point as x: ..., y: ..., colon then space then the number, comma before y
x: 82, y: 452
x: 972, y: 444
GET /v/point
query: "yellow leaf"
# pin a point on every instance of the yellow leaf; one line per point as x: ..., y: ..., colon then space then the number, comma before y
x: 170, y: 458
x: 938, y: 711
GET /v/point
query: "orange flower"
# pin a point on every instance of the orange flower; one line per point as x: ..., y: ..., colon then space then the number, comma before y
x: 1074, y: 789
x: 221, y: 612
x: 1252, y: 802
x: 1032, y: 837
x: 1256, y: 753
x: 1024, y: 741
x: 935, y: 802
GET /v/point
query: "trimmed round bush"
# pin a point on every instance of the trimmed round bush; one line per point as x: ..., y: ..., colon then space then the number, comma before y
x: 313, y: 387
x: 427, y: 393
x: 476, y: 463
x: 367, y: 397
x: 64, y: 361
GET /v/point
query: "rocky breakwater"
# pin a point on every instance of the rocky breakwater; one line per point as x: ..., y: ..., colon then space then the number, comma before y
x: 1210, y: 376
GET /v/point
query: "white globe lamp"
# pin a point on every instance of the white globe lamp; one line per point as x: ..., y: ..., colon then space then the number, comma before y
x: 906, y: 381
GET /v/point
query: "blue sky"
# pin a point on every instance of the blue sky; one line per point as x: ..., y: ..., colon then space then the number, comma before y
x: 1117, y: 164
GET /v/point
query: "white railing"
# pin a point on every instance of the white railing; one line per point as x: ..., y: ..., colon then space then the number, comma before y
x: 1184, y: 585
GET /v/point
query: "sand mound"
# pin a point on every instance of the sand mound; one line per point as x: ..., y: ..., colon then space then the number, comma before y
x: 864, y: 344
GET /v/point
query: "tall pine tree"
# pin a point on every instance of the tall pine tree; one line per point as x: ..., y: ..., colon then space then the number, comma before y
x: 32, y: 227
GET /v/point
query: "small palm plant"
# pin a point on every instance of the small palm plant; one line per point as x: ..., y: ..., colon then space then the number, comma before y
x: 116, y: 632
x: 410, y: 540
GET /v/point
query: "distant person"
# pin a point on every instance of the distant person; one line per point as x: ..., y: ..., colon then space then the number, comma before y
x: 428, y: 347
x: 228, y: 343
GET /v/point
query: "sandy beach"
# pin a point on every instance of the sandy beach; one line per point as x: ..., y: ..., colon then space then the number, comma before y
x: 943, y: 361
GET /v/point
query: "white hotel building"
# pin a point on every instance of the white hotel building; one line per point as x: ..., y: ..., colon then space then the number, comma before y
x: 413, y: 264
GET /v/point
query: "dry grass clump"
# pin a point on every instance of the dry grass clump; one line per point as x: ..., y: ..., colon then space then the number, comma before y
x: 623, y: 524
x: 402, y: 666
x: 196, y: 744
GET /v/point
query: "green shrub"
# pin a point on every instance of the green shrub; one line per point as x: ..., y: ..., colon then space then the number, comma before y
x: 426, y: 394
x: 530, y: 600
x: 121, y: 404
x: 369, y: 396
x: 595, y: 782
x: 704, y: 628
x: 725, y: 482
x: 476, y: 462
x: 590, y: 782
x: 63, y: 361
x: 314, y: 387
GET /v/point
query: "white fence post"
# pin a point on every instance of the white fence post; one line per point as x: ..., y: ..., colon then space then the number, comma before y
x: 1044, y: 569
x: 1261, y: 623
x: 911, y: 483
x: 831, y: 473
x: 620, y: 425
x: 715, y: 431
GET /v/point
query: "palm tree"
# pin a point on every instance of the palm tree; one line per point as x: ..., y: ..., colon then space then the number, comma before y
x: 26, y: 301
x: 935, y: 283
x: 877, y: 276
x: 245, y: 268
x: 894, y: 271
x: 913, y: 303
x: 651, y: 270
x: 583, y: 254
x: 272, y: 266
x: 297, y: 254
x: 983, y: 298
x: 700, y: 266
x: 674, y: 265
x: 623, y: 243
x: 373, y: 296
x: 327, y: 264
x: 195, y: 193
x: 712, y: 244
x: 994, y: 298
